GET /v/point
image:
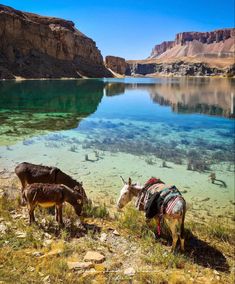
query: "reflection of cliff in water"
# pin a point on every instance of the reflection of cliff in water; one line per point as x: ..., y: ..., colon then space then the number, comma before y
x: 33, y: 107
x: 198, y: 95
x: 212, y: 96
x: 68, y: 96
x: 27, y: 107
x: 114, y: 89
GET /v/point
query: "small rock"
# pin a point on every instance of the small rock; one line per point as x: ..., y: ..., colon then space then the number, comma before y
x: 37, y: 253
x: 129, y: 271
x: 1, y: 219
x: 215, y: 272
x: 47, y: 243
x: 3, y: 229
x: 205, y: 199
x: 20, y: 235
x: 103, y: 237
x: 94, y: 256
x: 79, y: 265
x: 115, y: 232
x: 46, y: 235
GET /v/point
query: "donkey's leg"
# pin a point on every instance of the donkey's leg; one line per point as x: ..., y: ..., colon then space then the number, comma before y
x: 57, y: 213
x: 31, y: 213
x: 172, y: 224
x: 182, y: 232
x: 60, y: 218
x: 22, y: 199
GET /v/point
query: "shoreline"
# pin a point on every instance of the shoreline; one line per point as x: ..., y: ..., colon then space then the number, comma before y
x: 150, y: 76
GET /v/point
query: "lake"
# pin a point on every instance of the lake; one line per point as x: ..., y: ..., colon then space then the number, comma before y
x: 178, y: 129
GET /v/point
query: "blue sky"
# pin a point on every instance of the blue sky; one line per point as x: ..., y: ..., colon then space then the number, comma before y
x: 130, y: 28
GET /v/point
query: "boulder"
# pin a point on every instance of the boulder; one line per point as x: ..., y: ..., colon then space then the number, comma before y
x: 94, y: 257
x: 116, y: 64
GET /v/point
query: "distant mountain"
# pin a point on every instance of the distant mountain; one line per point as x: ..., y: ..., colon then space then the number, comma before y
x: 190, y: 54
x: 34, y: 46
x: 215, y: 44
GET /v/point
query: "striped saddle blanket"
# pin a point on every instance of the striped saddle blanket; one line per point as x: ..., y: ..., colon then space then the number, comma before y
x: 158, y: 198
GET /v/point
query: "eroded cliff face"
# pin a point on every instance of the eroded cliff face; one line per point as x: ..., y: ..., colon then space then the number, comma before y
x: 116, y: 64
x: 33, y: 46
x: 160, y: 48
x: 219, y: 43
x: 178, y: 68
x: 190, y: 54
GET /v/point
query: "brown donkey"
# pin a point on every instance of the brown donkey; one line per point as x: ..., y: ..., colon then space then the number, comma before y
x: 29, y: 173
x: 48, y: 195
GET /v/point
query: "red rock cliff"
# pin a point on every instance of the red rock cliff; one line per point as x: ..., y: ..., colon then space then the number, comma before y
x: 214, y: 43
x: 34, y: 46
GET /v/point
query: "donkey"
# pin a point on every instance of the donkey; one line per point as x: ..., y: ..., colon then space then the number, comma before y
x: 174, y: 220
x: 48, y: 195
x: 29, y: 173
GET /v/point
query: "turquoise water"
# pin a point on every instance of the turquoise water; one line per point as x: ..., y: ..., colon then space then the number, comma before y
x: 179, y: 129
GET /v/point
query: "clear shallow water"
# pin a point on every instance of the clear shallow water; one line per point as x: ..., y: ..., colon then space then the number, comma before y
x: 129, y: 127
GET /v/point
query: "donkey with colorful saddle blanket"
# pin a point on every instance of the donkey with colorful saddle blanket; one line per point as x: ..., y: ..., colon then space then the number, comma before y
x: 157, y: 198
x: 159, y: 201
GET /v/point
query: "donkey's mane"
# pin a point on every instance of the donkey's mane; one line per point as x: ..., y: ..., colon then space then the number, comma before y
x: 72, y: 179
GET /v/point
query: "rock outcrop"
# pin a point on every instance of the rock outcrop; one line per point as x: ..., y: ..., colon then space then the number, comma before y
x: 219, y: 43
x: 161, y: 48
x: 33, y: 46
x: 178, y: 68
x: 116, y: 64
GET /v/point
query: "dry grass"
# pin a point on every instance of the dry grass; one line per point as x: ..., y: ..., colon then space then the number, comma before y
x: 19, y: 264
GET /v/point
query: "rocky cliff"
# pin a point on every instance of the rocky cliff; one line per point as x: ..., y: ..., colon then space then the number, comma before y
x: 219, y: 43
x: 190, y: 54
x: 33, y: 46
x: 116, y: 64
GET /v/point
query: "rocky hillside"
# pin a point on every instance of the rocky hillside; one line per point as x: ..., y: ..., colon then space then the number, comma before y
x: 215, y: 44
x: 190, y: 54
x: 33, y: 46
x: 177, y: 68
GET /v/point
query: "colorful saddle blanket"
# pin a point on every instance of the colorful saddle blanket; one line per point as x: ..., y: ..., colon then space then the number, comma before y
x: 157, y: 198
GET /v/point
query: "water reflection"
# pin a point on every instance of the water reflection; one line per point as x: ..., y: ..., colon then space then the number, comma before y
x: 27, y: 107
x: 198, y: 95
x: 193, y: 95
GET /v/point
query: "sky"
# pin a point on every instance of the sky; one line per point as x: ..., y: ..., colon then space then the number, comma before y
x: 131, y: 28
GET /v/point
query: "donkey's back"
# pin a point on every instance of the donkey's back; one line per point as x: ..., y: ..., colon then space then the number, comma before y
x: 29, y: 173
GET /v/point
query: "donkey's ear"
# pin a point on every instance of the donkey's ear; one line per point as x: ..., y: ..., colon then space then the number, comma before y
x: 129, y: 181
x: 123, y: 180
